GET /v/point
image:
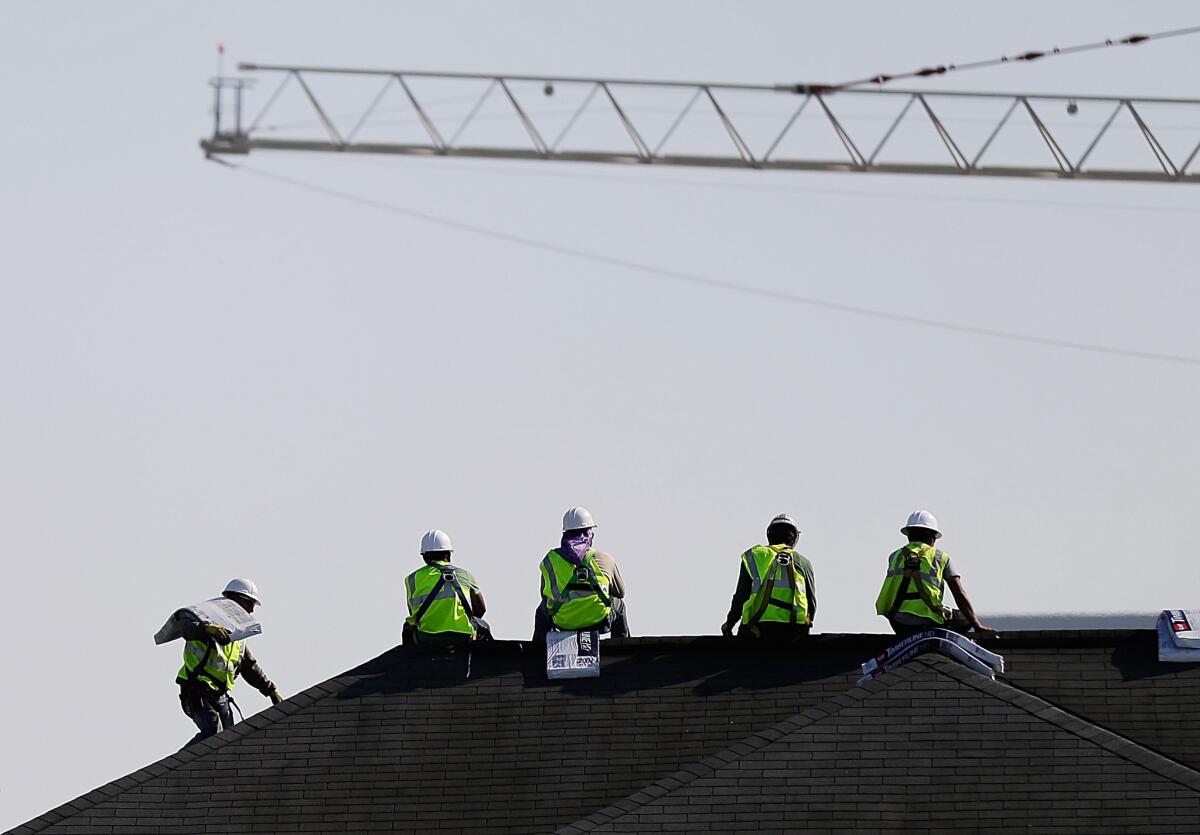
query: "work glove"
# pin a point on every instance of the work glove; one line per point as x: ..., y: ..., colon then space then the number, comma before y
x: 275, y: 697
x: 218, y: 633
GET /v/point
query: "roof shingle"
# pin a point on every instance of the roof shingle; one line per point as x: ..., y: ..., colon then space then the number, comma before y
x: 415, y: 742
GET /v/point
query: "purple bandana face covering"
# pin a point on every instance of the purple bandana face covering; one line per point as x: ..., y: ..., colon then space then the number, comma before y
x: 575, y: 547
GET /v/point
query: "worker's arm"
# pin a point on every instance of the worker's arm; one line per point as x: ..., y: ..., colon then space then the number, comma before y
x: 740, y: 596
x: 190, y: 626
x: 255, y: 677
x: 810, y: 586
x: 470, y: 586
x: 964, y: 603
x: 194, y: 629
x: 616, y: 586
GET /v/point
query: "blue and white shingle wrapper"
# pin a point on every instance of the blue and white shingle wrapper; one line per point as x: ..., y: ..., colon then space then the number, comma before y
x: 1179, y: 635
x: 573, y: 654
x: 959, y: 647
x: 220, y: 611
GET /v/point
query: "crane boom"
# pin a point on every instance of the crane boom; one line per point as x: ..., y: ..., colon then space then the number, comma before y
x: 797, y: 127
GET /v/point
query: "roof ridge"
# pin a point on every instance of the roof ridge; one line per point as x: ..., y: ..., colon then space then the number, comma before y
x: 1089, y: 731
x: 248, y: 726
x: 734, y: 752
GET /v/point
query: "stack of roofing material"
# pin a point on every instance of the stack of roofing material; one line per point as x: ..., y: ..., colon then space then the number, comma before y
x: 956, y: 646
x: 1179, y: 635
x: 573, y: 654
x: 220, y: 610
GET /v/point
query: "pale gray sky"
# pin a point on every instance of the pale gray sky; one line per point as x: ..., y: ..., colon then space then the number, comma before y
x: 208, y: 374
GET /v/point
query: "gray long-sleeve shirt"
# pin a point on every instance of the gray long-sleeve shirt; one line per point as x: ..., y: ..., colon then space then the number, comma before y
x: 616, y: 586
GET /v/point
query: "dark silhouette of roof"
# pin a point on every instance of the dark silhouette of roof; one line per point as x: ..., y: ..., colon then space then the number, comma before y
x: 1086, y: 730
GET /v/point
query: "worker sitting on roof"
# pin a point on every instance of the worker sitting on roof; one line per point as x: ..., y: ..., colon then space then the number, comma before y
x: 776, y: 594
x: 212, y: 662
x: 911, y: 597
x: 445, y: 605
x: 581, y: 587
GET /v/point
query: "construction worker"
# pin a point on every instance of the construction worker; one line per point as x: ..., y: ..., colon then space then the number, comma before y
x: 581, y: 587
x: 912, y: 593
x: 776, y: 594
x: 212, y: 663
x: 445, y: 605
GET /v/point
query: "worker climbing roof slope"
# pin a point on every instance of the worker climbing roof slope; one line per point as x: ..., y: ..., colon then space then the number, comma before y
x: 917, y: 574
x: 212, y: 663
x: 581, y: 587
x: 445, y: 604
x: 776, y: 594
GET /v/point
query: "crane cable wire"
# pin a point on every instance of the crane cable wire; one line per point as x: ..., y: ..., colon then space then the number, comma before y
x: 706, y: 281
x: 1030, y: 55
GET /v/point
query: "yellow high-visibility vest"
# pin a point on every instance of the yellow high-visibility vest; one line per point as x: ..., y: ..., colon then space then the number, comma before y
x: 212, y: 664
x: 446, y: 613
x: 777, y: 593
x: 576, y: 595
x: 918, y: 569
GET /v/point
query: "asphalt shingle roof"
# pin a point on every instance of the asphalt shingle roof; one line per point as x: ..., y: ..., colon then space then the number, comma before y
x: 878, y: 759
x: 415, y: 742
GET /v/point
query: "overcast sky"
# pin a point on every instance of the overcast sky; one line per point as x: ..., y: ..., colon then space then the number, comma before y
x: 207, y: 374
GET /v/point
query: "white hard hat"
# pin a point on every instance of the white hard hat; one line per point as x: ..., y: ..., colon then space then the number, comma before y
x: 244, y: 587
x: 576, y: 518
x: 923, y: 520
x: 435, y: 541
x: 784, y: 519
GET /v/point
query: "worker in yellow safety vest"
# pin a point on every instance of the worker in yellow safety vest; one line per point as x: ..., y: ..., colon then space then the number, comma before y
x: 912, y: 594
x: 445, y: 605
x: 212, y: 663
x: 581, y: 586
x: 776, y: 595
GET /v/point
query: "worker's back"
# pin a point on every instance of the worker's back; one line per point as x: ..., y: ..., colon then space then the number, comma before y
x: 444, y: 601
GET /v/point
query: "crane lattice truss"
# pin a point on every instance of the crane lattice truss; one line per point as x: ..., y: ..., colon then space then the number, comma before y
x: 790, y: 127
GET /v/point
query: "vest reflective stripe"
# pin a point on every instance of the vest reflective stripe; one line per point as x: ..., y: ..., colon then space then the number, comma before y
x: 445, y: 612
x: 751, y: 564
x: 788, y: 602
x: 446, y: 592
x: 570, y: 602
x: 220, y: 669
x: 926, y: 582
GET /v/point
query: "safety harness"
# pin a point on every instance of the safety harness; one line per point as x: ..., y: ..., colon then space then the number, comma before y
x: 785, y: 564
x: 203, y: 691
x: 448, y: 577
x: 912, y: 574
x: 585, y: 579
x: 582, y: 579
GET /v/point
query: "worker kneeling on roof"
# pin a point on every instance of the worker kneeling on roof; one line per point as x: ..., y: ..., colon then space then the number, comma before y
x: 776, y: 594
x: 581, y: 587
x: 212, y: 663
x: 912, y: 593
x: 445, y: 605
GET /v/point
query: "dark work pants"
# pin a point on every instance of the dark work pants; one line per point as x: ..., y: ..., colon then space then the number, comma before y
x: 411, y: 637
x: 957, y: 623
x: 616, y: 624
x: 903, y: 630
x: 775, y: 631
x: 210, y: 712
